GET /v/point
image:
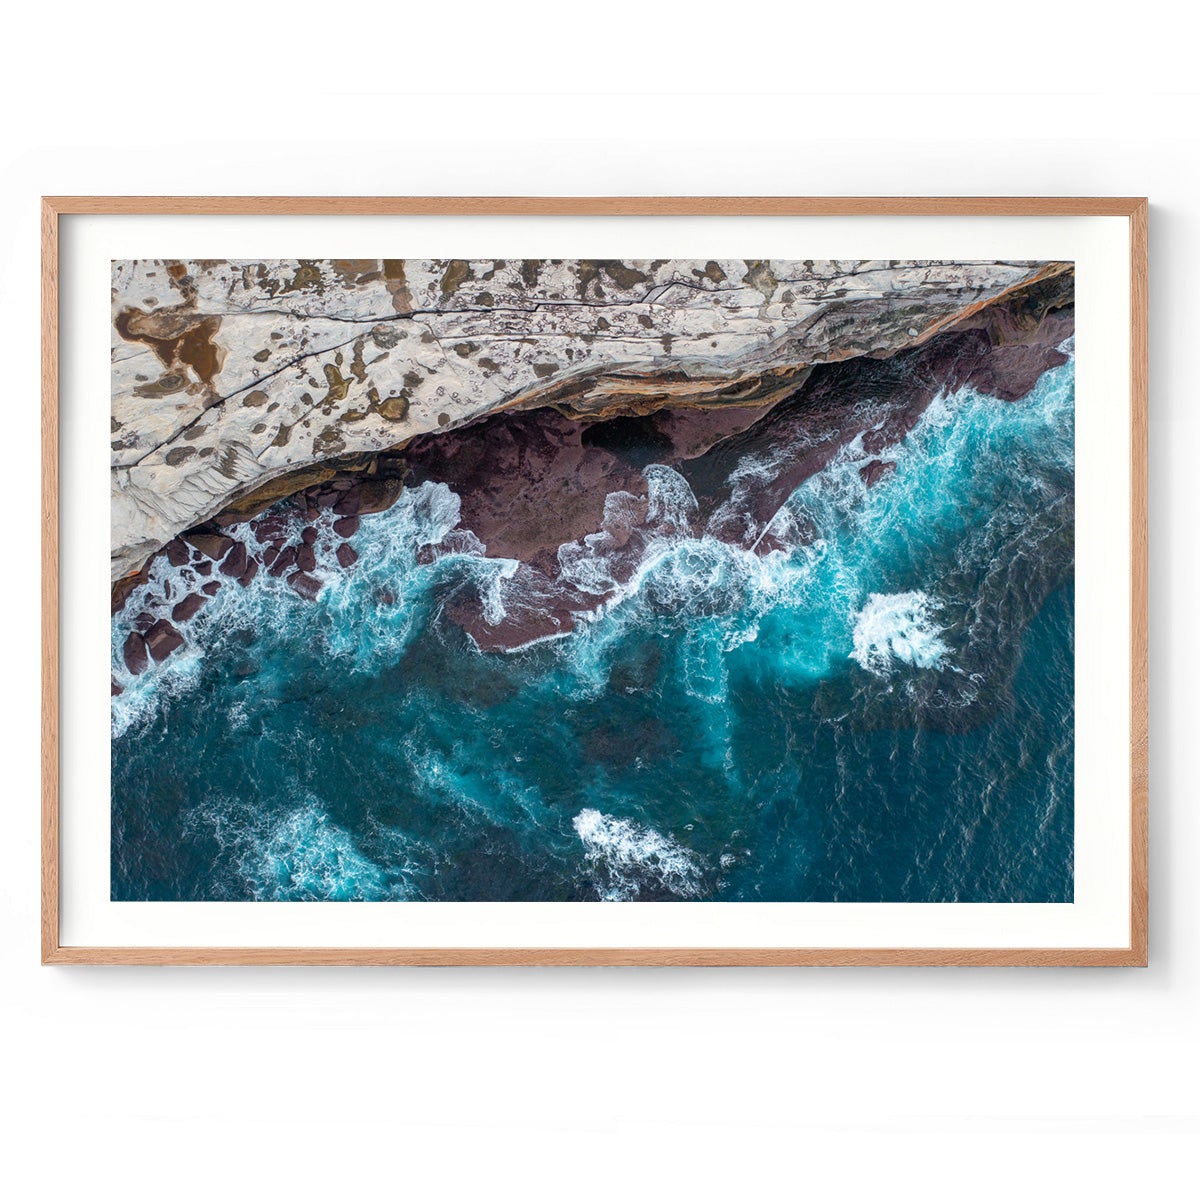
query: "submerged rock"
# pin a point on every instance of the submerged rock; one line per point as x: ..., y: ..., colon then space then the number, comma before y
x: 875, y: 470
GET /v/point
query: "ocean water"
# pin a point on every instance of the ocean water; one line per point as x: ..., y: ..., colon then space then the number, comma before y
x: 880, y: 710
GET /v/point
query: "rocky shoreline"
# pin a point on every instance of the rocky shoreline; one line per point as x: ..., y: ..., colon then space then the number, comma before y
x: 233, y: 380
x: 537, y: 478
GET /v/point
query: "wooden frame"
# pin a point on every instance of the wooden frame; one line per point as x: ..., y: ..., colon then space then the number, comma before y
x: 1134, y: 209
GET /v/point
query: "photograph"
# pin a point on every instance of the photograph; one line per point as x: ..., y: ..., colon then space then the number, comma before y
x: 485, y: 579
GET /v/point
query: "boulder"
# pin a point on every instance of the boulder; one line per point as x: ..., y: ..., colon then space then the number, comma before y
x: 247, y: 576
x: 346, y: 555
x: 162, y: 640
x: 269, y: 529
x: 177, y: 553
x: 376, y: 495
x: 211, y: 545
x: 348, y: 503
x: 234, y: 563
x: 346, y: 526
x: 122, y: 589
x: 309, y: 536
x: 308, y: 586
x: 306, y: 558
x: 135, y: 654
x: 286, y: 560
x: 212, y: 587
x: 875, y: 470
x: 188, y: 607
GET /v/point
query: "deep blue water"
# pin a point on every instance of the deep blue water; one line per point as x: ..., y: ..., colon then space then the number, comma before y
x: 884, y: 713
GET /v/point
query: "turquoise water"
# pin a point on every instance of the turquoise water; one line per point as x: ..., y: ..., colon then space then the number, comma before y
x: 882, y: 712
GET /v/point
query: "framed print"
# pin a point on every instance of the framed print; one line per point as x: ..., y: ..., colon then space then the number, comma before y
x: 595, y: 581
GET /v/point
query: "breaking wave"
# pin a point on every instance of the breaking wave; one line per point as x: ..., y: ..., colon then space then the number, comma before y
x: 897, y: 629
x: 627, y: 859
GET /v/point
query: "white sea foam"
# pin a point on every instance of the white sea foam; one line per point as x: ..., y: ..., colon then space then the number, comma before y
x: 671, y: 502
x: 626, y: 857
x: 307, y: 856
x: 897, y: 628
x: 301, y: 854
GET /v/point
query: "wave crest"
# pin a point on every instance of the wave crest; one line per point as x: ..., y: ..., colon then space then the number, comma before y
x: 897, y: 628
x: 628, y: 859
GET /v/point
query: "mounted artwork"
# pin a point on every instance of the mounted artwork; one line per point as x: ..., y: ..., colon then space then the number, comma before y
x: 561, y: 604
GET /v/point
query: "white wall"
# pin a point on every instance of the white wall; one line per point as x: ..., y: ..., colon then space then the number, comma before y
x: 182, y: 1082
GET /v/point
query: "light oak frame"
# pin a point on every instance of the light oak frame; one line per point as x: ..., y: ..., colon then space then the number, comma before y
x: 1134, y: 209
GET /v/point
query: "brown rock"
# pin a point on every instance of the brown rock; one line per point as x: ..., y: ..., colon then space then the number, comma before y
x: 875, y: 470
x: 211, y: 588
x: 135, y: 654
x: 348, y: 503
x: 212, y: 545
x: 177, y: 553
x: 188, y: 607
x: 270, y: 554
x: 117, y: 689
x: 286, y: 559
x: 305, y: 584
x: 1011, y: 372
x: 162, y: 640
x: 271, y: 528
x: 306, y: 558
x: 123, y: 587
x: 376, y: 495
x: 234, y: 563
x: 247, y: 576
x: 309, y: 536
x: 204, y: 568
x: 346, y: 526
x: 346, y: 555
